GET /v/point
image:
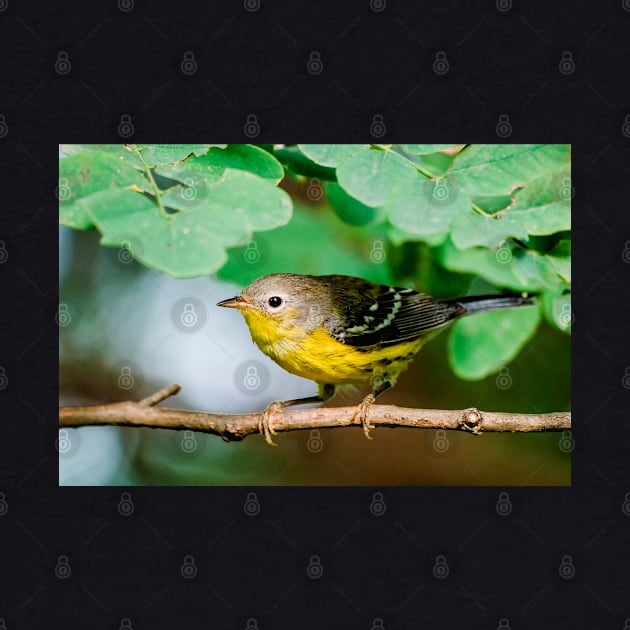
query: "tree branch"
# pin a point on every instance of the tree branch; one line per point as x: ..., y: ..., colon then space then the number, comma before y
x: 234, y: 427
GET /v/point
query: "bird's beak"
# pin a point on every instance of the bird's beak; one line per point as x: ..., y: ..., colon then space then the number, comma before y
x: 235, y: 302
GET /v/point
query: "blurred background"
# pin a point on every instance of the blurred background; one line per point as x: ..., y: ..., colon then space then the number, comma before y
x: 126, y: 331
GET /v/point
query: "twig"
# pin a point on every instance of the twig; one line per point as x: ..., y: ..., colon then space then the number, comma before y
x: 234, y: 427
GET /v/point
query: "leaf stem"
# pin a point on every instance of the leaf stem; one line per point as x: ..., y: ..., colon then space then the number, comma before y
x: 156, y: 191
x: 481, y: 211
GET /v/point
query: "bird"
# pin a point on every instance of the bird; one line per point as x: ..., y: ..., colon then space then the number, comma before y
x: 338, y: 329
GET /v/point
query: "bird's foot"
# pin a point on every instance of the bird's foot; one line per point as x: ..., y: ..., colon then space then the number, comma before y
x: 265, y: 425
x: 363, y: 411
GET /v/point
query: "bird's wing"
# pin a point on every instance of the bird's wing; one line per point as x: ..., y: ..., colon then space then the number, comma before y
x: 378, y: 314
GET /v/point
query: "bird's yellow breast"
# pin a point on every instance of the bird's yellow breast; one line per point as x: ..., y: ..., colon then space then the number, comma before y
x: 321, y: 358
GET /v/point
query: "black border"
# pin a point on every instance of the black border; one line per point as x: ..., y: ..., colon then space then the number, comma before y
x: 501, y: 62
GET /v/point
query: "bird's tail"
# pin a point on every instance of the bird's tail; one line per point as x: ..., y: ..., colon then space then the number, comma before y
x: 485, y: 303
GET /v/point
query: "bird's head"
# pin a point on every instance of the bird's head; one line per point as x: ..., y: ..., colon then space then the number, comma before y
x: 280, y: 303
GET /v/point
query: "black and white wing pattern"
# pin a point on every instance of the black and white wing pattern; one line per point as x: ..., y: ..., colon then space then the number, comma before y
x: 379, y: 314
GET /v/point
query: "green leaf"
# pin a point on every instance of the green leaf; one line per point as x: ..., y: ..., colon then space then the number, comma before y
x: 488, y: 169
x: 299, y: 164
x: 243, y: 157
x: 297, y: 248
x: 86, y: 173
x: 185, y: 245
x: 482, y: 344
x: 370, y: 174
x: 240, y: 201
x: 437, y: 164
x: 425, y: 208
x: 330, y: 154
x: 534, y: 268
x: 190, y: 242
x: 154, y: 154
x: 557, y: 308
x: 122, y: 151
x: 399, y: 237
x: 209, y: 167
x: 543, y: 206
x: 422, y: 149
x: 351, y: 210
x: 560, y: 258
x: 496, y: 266
x: 191, y: 172
x: 471, y: 229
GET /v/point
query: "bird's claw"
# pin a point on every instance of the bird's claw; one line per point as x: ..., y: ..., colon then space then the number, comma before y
x: 265, y: 425
x: 363, y: 411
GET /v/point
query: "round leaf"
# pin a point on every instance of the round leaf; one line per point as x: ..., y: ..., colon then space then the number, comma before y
x: 240, y: 201
x: 370, y: 174
x: 329, y: 154
x: 298, y: 163
x: 244, y: 157
x: 498, y: 169
x: 176, y: 247
x: 122, y: 151
x: 481, y: 344
x: 496, y: 266
x: 557, y: 307
x: 154, y: 154
x: 351, y: 210
x: 192, y: 241
x: 86, y: 173
x: 543, y: 206
x: 471, y: 229
x: 424, y: 208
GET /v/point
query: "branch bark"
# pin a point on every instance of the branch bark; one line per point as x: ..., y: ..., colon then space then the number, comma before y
x: 234, y: 427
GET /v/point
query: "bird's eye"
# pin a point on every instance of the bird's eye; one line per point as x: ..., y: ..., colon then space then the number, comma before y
x: 275, y: 301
